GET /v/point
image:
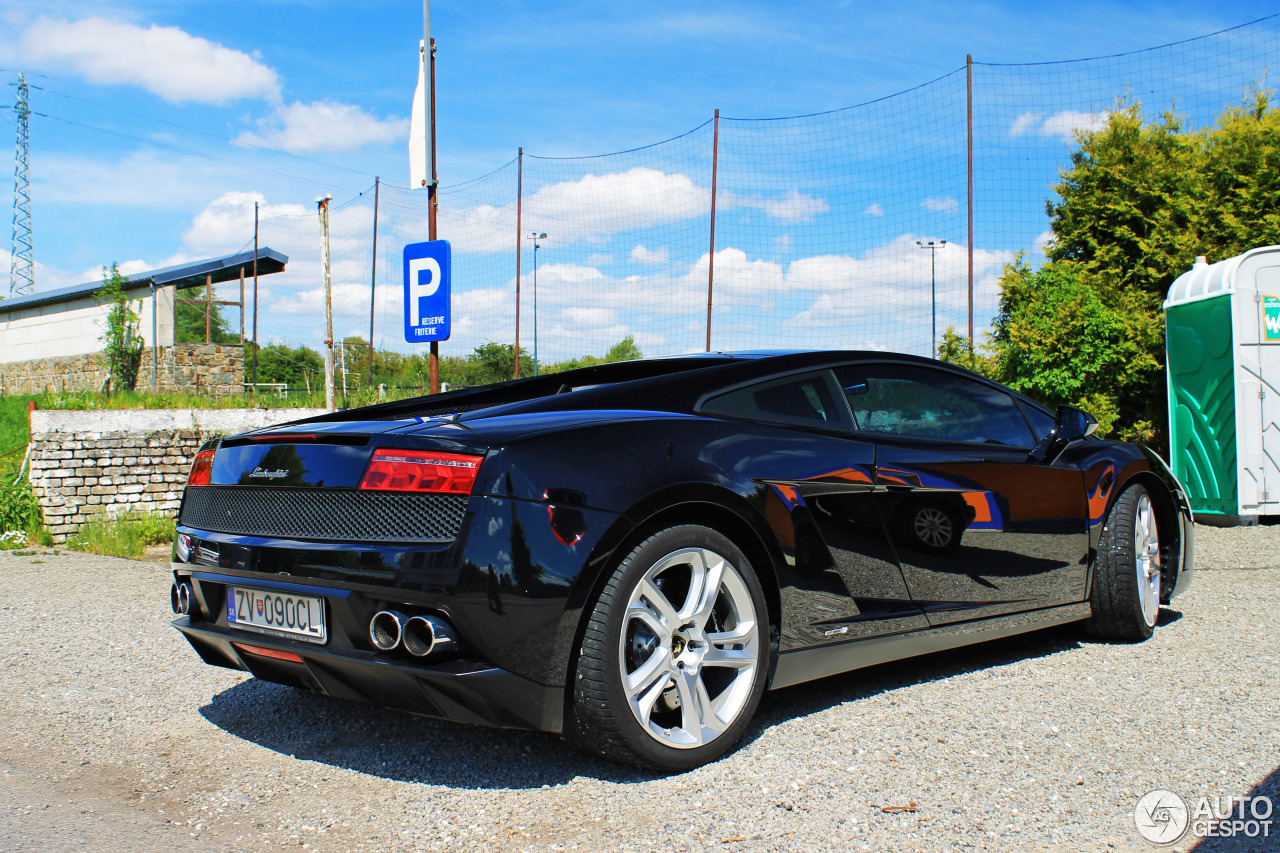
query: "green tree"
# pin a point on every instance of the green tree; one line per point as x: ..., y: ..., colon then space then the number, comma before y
x: 1127, y: 202
x: 122, y: 342
x: 1060, y: 338
x: 295, y: 366
x: 623, y: 350
x: 493, y: 362
x: 188, y: 324
x: 1137, y: 203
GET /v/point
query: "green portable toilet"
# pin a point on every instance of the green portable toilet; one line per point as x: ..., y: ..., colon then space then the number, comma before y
x: 1222, y: 324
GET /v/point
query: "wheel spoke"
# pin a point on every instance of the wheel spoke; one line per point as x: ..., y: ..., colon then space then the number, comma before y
x: 659, y: 602
x: 651, y: 620
x: 710, y: 719
x: 729, y: 658
x: 710, y: 591
x: 740, y: 633
x: 695, y: 705
x: 697, y: 563
x: 644, y: 675
x: 643, y: 705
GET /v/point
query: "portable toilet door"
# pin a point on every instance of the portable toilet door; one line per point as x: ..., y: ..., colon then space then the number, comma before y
x: 1222, y: 324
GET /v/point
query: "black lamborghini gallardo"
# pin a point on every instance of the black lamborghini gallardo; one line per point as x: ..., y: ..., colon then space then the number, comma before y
x: 631, y: 554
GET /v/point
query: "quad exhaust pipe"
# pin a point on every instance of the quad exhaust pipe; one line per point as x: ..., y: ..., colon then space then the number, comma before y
x: 180, y: 598
x: 420, y: 636
x: 425, y: 636
x: 386, y: 628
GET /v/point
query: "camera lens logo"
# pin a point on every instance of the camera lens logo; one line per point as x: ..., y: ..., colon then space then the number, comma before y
x: 1161, y: 816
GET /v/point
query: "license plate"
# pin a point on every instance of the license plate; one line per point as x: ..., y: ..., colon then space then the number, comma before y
x: 298, y: 617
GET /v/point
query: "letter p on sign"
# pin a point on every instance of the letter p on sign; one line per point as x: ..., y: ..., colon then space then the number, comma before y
x: 427, y: 303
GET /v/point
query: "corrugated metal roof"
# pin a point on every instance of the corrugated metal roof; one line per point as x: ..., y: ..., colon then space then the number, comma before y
x: 181, y: 276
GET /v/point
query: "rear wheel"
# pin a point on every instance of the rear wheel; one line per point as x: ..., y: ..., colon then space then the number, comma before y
x: 675, y: 654
x: 1126, y: 580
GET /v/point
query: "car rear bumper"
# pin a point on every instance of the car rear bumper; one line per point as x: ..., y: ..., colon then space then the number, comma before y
x: 459, y: 690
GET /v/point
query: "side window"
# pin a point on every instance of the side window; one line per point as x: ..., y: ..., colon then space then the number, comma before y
x: 809, y: 399
x: 1041, y: 423
x: 928, y: 403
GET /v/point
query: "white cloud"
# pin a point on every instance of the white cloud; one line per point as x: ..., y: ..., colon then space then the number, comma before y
x: 324, y: 126
x: 641, y: 255
x: 1068, y: 123
x: 589, y: 208
x: 1064, y: 125
x: 227, y: 223
x: 47, y: 277
x: 166, y: 61
x: 1024, y: 124
x: 792, y: 207
x: 616, y: 202
x: 891, y: 284
x: 874, y: 209
x: 940, y: 205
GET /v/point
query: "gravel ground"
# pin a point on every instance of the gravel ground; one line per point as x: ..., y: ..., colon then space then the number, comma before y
x: 119, y: 739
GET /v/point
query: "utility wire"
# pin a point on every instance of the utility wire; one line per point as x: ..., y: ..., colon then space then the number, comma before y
x: 232, y: 140
x: 189, y: 152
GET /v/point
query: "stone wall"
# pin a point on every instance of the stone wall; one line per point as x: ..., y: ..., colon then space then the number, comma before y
x: 91, y: 462
x: 216, y: 369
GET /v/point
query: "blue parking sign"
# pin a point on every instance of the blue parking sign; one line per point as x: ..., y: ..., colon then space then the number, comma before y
x: 426, y: 292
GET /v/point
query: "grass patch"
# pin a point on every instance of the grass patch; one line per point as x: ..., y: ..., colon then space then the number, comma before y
x: 125, y: 535
x: 15, y: 430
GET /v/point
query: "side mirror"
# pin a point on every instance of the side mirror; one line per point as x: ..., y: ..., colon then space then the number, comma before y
x: 1071, y: 424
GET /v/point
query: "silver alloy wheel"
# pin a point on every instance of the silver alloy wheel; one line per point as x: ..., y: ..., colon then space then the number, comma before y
x: 1146, y: 553
x: 933, y: 527
x: 688, y: 666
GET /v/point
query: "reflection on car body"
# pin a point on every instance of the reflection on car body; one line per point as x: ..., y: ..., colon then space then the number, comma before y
x: 630, y: 554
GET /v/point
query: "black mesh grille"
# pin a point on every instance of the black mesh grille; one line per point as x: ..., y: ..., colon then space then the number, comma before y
x: 343, y: 515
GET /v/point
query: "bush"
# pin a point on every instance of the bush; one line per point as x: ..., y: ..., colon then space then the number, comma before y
x: 123, y: 535
x: 20, y: 511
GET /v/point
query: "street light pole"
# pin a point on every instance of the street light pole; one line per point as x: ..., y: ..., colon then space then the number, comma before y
x: 933, y: 287
x: 535, y: 237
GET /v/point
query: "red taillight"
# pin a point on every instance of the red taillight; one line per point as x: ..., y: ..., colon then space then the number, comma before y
x: 201, y: 469
x: 421, y: 471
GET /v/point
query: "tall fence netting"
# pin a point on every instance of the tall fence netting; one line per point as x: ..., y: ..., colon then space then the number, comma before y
x: 844, y: 229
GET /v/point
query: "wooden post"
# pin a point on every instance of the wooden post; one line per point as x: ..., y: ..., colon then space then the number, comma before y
x: 711, y: 258
x: 519, y: 226
x: 208, y: 309
x: 432, y: 201
x: 255, y: 297
x: 373, y: 274
x: 241, y: 305
x: 968, y: 65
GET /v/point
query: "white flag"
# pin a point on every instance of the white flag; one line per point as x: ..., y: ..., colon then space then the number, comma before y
x: 418, y: 130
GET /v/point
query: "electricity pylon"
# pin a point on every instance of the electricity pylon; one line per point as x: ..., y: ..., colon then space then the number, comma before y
x: 22, y: 275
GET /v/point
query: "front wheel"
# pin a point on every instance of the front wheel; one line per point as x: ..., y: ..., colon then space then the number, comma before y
x: 675, y: 654
x: 1126, y: 580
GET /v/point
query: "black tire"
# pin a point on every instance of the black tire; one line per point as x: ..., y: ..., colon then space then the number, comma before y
x: 1116, y: 594
x: 600, y: 719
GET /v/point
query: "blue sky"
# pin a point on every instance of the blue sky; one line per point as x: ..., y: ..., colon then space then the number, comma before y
x: 331, y: 85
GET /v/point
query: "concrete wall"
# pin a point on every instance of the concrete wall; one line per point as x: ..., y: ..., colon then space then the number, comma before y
x: 61, y: 329
x: 208, y: 368
x: 89, y: 462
